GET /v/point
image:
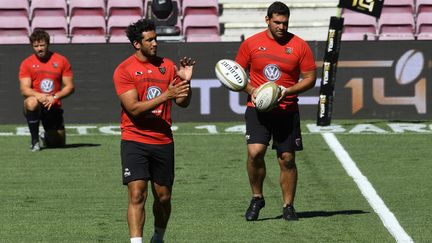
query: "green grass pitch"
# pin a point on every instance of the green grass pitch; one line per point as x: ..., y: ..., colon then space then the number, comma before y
x: 74, y: 194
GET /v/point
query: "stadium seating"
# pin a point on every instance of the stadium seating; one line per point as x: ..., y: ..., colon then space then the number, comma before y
x: 87, y: 21
x: 48, y: 8
x: 14, y: 23
x: 125, y: 8
x: 50, y: 15
x: 201, y: 28
x: 86, y: 7
x: 88, y: 29
x: 396, y: 26
x: 200, y: 7
x: 120, y: 14
x: 398, y: 6
x: 424, y: 26
x: 423, y: 6
x: 397, y: 20
x: 116, y: 29
x: 14, y: 8
x: 201, y: 21
x: 56, y: 26
x: 14, y: 30
x: 358, y: 26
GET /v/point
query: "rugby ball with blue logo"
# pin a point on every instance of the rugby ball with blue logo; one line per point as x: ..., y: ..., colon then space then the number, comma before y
x: 267, y: 96
x: 231, y: 74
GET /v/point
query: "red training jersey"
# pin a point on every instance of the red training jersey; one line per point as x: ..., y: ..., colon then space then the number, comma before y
x: 149, y: 79
x: 267, y: 60
x: 47, y: 76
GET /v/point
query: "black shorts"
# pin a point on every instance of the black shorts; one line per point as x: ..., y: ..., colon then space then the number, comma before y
x: 283, y: 128
x: 154, y: 162
x: 52, y: 119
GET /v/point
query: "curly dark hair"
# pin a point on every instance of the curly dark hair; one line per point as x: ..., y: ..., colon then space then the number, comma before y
x: 278, y: 8
x: 39, y: 35
x: 134, y: 31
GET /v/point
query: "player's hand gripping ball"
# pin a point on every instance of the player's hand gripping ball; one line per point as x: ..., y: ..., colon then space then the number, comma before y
x: 267, y: 96
x: 231, y: 74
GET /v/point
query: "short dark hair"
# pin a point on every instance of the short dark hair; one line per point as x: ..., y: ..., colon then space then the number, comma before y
x: 278, y: 8
x: 134, y: 31
x: 39, y: 35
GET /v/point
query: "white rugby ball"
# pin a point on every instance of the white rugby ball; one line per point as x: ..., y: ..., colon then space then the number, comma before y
x: 267, y: 96
x: 231, y: 74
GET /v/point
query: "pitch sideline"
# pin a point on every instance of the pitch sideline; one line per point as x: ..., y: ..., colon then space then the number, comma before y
x: 366, y: 188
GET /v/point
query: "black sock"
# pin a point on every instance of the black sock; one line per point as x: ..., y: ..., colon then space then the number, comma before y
x: 33, y: 123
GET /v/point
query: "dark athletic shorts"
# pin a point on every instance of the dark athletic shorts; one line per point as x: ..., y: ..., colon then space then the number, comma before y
x: 149, y: 162
x: 52, y: 119
x: 283, y: 128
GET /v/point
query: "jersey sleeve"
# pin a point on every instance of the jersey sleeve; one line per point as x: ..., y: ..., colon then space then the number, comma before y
x: 122, y: 81
x: 243, y: 55
x: 67, y: 68
x: 307, y: 62
x: 24, y: 70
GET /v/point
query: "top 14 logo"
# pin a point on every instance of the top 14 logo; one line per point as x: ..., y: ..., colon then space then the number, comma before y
x: 408, y: 71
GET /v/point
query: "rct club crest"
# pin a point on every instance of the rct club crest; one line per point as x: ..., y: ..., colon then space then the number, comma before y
x: 272, y: 72
x: 162, y: 70
x: 153, y: 92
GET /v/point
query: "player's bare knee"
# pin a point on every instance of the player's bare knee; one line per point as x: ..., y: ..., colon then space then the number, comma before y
x: 287, y: 161
x: 164, y: 198
x: 137, y: 197
x: 31, y: 104
x: 256, y: 156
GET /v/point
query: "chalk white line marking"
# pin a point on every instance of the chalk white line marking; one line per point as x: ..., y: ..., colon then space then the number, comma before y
x: 366, y: 188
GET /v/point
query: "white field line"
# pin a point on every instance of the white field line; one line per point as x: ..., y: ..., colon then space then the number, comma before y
x: 366, y: 188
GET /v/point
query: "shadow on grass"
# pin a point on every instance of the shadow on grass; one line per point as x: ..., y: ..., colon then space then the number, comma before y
x: 313, y: 214
x: 76, y: 145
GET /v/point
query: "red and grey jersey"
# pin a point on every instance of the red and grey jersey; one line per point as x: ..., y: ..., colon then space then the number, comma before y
x: 149, y: 79
x: 267, y: 60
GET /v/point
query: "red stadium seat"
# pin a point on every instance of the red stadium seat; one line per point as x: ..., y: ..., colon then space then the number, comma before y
x: 200, y: 7
x: 201, y: 28
x: 87, y: 21
x: 398, y: 6
x: 122, y: 7
x: 423, y: 6
x: 424, y: 26
x: 116, y: 28
x: 14, y: 30
x: 87, y: 29
x: 358, y: 26
x: 56, y: 26
x: 120, y: 14
x: 396, y: 26
x: 87, y: 8
x: 50, y: 15
x: 14, y: 8
x: 48, y: 8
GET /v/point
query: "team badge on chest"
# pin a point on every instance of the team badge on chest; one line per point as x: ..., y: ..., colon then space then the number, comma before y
x: 162, y: 70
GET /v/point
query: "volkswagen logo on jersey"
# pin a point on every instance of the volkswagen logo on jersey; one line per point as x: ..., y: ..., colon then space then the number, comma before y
x: 153, y: 92
x: 47, y: 85
x: 272, y: 72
